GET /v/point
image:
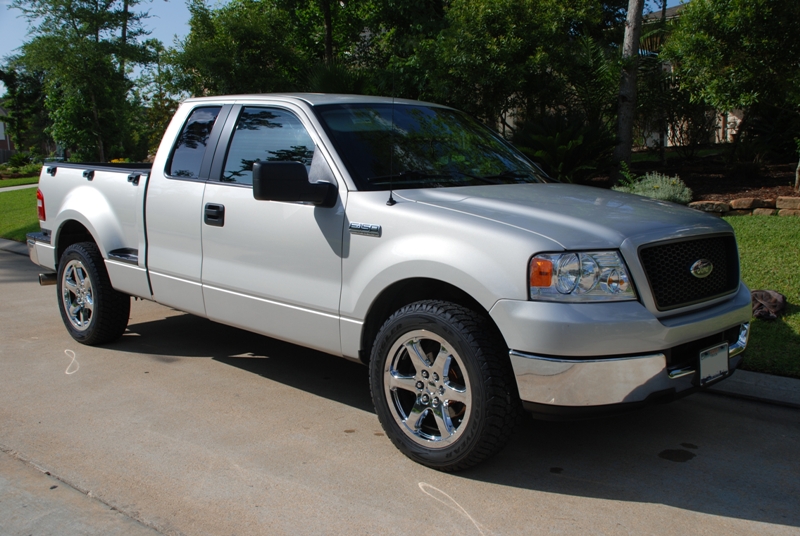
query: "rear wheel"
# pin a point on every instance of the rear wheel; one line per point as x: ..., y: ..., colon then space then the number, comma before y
x: 92, y: 311
x: 442, y: 385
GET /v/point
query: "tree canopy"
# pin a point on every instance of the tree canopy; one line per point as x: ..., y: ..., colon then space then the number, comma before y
x: 80, y: 49
x: 545, y: 73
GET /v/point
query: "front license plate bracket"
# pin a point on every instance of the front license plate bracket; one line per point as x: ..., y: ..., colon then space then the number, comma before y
x: 713, y: 363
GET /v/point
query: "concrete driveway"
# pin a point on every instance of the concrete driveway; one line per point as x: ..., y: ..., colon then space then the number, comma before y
x: 189, y: 427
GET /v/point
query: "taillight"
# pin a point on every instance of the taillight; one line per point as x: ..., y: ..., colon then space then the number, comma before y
x: 40, y: 205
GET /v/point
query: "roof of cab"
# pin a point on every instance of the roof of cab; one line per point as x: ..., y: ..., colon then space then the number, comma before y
x: 312, y: 99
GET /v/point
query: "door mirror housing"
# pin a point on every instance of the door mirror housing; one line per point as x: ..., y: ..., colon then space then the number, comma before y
x: 288, y: 182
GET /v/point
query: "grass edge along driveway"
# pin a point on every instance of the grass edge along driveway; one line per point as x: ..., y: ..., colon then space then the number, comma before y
x: 6, y: 183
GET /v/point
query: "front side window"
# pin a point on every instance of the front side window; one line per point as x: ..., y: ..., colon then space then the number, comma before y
x: 265, y: 134
x: 190, y: 147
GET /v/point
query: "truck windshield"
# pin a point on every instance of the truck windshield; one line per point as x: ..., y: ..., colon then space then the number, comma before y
x: 416, y: 146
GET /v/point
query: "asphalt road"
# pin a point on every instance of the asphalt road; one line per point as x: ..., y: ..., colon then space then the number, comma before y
x: 189, y: 427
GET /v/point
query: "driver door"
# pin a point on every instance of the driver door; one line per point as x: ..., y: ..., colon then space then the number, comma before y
x: 268, y: 266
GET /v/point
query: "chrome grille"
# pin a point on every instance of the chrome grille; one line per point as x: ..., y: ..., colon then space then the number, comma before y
x: 668, y: 268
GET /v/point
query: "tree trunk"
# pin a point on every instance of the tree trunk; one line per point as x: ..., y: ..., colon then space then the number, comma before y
x: 797, y: 177
x: 326, y: 13
x: 627, y: 87
x: 662, y: 136
x: 124, y: 38
x: 101, y: 153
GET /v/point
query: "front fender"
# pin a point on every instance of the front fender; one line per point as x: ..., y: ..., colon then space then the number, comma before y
x: 487, y: 260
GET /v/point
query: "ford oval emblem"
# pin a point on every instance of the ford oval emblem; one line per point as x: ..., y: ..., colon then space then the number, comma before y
x: 702, y: 268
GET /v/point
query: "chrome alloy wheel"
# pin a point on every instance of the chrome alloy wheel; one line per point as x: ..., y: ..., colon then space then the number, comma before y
x: 77, y: 296
x: 429, y: 390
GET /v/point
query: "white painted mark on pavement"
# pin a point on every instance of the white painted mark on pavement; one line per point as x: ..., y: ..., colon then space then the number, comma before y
x: 70, y: 369
x: 448, y: 501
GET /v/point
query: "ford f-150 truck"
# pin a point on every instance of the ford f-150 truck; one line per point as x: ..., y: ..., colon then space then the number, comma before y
x: 411, y: 238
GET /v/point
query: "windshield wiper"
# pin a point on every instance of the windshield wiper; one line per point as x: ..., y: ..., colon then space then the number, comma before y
x: 506, y: 176
x: 411, y: 176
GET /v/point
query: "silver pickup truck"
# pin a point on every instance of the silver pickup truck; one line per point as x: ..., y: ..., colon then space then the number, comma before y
x: 409, y: 237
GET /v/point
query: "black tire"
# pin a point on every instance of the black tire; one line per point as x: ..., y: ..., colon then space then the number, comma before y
x: 93, y: 312
x: 447, y: 417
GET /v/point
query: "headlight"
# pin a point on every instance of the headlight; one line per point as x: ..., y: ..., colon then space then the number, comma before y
x: 580, y: 277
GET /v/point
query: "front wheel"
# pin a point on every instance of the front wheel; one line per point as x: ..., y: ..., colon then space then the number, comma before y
x: 92, y: 311
x: 442, y: 385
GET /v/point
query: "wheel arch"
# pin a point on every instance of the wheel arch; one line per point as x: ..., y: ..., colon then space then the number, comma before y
x: 408, y: 291
x: 71, y: 232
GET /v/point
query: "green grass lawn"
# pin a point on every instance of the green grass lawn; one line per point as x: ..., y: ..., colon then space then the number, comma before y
x: 5, y: 183
x: 18, y: 216
x: 769, y: 247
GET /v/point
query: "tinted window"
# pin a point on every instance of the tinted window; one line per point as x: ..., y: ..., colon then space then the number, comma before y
x: 415, y: 146
x: 265, y: 134
x: 187, y: 157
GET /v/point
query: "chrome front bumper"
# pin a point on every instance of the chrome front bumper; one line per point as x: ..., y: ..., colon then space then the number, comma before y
x: 606, y: 381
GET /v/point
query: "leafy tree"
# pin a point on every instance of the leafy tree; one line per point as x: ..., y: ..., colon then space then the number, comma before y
x: 498, y: 57
x: 326, y: 31
x: 389, y: 47
x: 27, y: 119
x: 736, y: 53
x: 79, y: 48
x: 159, y: 97
x: 741, y: 54
x: 245, y: 46
x: 567, y: 147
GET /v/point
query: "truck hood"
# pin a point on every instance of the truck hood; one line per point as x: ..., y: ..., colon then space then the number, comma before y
x: 576, y: 217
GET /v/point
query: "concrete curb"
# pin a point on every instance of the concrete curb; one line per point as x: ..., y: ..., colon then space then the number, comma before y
x: 743, y: 384
x: 760, y: 387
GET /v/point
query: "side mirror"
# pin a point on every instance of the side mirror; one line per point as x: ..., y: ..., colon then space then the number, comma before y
x: 288, y: 181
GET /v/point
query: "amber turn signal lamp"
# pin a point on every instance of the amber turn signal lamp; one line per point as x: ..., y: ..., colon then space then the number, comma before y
x: 541, y: 272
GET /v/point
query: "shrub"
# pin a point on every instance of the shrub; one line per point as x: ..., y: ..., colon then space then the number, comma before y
x: 19, y: 159
x: 27, y: 170
x: 566, y: 147
x: 659, y: 187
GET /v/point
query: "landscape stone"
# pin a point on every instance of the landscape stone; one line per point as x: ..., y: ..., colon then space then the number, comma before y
x: 747, y: 203
x: 710, y: 206
x: 789, y: 212
x: 764, y: 212
x: 739, y: 213
x: 792, y: 203
x: 743, y: 203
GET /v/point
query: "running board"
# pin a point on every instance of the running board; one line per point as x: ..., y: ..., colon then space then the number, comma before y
x: 126, y: 255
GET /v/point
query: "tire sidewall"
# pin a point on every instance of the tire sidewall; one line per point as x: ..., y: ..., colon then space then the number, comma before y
x: 79, y: 253
x: 431, y: 319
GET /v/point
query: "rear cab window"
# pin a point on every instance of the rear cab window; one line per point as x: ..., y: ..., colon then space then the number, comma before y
x: 190, y: 148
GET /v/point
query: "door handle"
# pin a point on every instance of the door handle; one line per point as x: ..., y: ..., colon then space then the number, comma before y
x: 214, y: 215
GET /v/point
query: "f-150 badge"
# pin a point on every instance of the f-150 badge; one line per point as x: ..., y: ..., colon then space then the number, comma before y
x: 366, y: 229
